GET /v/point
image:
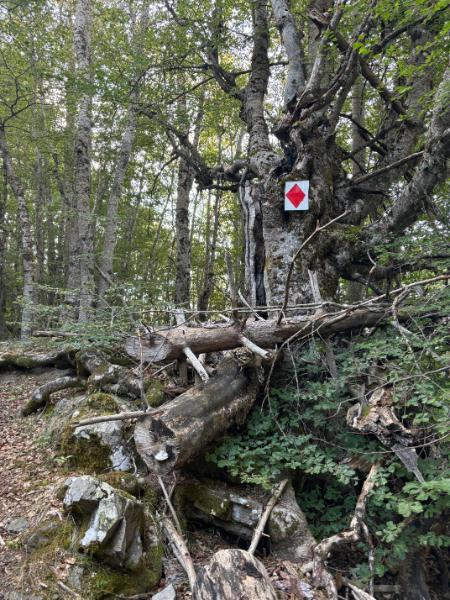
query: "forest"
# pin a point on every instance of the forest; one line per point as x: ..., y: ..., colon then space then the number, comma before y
x: 224, y: 299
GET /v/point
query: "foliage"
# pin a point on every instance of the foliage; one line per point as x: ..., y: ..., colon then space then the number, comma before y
x: 302, y: 429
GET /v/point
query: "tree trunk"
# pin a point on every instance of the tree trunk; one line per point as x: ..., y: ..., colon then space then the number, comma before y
x: 182, y: 228
x: 191, y: 421
x: 3, y: 238
x: 82, y: 167
x: 109, y: 244
x: 412, y: 578
x: 26, y: 238
x: 233, y: 574
x: 210, y: 257
x: 168, y: 344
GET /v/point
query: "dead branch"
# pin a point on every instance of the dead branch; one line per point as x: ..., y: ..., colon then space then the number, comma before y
x: 118, y: 417
x: 265, y: 516
x: 357, y: 529
x: 196, y: 364
x: 180, y: 550
x: 42, y: 394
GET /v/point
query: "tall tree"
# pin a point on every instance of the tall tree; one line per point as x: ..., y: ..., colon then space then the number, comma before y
x: 123, y: 159
x: 82, y: 163
x: 28, y: 251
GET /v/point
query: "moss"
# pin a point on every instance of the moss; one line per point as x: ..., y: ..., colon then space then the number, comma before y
x: 101, y: 401
x: 122, y: 481
x: 155, y: 393
x: 150, y: 498
x: 53, y: 539
x: 89, y: 455
x: 104, y: 582
x: 207, y: 500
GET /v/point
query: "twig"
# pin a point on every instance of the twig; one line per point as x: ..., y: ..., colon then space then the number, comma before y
x: 257, y: 316
x: 265, y: 516
x: 117, y: 417
x: 67, y: 589
x: 297, y: 254
x: 197, y: 365
x: 174, y: 362
x: 169, y: 504
x: 180, y: 550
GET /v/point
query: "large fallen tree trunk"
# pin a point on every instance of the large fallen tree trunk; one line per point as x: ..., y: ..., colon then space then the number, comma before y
x: 27, y: 359
x: 169, y: 343
x: 187, y: 424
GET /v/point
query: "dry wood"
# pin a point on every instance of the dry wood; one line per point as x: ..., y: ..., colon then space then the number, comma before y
x: 136, y: 414
x: 187, y: 424
x: 42, y: 394
x: 169, y: 343
x: 233, y: 574
x: 265, y: 516
x: 354, y: 533
x: 180, y: 550
x: 197, y: 365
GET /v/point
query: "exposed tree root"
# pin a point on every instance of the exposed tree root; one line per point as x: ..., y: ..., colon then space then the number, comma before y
x: 42, y: 394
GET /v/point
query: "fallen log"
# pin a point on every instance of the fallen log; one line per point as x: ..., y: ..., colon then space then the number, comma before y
x: 170, y: 343
x: 187, y: 424
x: 240, y: 509
x: 41, y: 395
x: 233, y: 574
x: 22, y: 359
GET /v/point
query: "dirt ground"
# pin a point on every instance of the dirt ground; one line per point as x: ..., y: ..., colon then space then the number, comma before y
x: 28, y: 476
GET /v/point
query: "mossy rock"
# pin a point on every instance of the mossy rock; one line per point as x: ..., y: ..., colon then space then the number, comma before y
x: 98, y: 581
x: 100, y: 402
x: 207, y: 499
x: 50, y: 537
x: 88, y: 455
x: 90, y: 451
x: 127, y: 482
x: 103, y: 583
x: 155, y: 393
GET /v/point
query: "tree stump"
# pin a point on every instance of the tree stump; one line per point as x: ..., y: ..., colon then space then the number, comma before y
x: 233, y: 575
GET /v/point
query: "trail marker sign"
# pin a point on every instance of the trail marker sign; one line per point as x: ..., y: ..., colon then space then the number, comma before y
x: 296, y: 195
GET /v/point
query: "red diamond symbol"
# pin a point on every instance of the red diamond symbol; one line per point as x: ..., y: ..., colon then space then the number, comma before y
x: 295, y: 195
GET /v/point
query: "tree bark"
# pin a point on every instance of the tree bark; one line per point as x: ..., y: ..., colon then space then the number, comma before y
x: 123, y: 159
x: 26, y: 238
x: 233, y: 574
x: 168, y: 344
x: 191, y: 421
x: 42, y: 394
x: 185, y: 181
x: 83, y: 142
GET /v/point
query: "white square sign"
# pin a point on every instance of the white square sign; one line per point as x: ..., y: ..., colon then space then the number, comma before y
x: 296, y: 195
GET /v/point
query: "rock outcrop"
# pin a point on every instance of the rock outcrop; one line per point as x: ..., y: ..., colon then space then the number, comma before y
x: 116, y: 531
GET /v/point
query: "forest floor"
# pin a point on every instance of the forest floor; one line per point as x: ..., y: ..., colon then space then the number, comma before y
x: 30, y: 476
